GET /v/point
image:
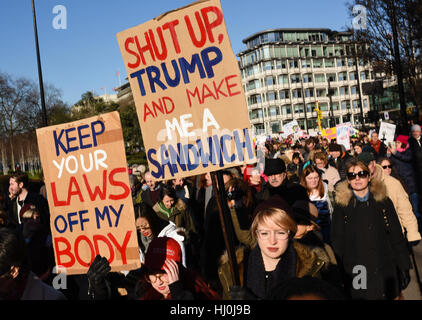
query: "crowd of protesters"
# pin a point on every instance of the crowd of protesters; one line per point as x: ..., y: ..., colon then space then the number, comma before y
x: 303, y: 218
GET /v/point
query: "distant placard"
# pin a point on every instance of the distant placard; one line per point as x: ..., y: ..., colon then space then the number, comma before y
x: 90, y: 201
x: 188, y: 92
x: 387, y: 132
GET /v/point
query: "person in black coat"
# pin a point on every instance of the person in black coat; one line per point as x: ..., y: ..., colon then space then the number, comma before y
x: 415, y: 145
x: 367, y: 239
x: 339, y: 159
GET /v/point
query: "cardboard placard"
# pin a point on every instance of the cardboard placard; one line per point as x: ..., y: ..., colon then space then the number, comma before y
x: 89, y: 194
x: 292, y: 128
x: 330, y: 133
x: 188, y: 92
x: 343, y: 134
x: 387, y: 132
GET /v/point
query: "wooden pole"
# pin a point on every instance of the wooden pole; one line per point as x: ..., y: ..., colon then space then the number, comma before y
x: 219, y: 193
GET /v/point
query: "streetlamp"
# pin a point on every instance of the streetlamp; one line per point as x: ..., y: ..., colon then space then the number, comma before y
x: 330, y: 95
x: 44, y: 110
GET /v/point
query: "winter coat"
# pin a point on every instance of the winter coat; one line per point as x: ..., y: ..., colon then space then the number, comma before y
x: 416, y: 150
x: 331, y: 175
x: 170, y: 231
x: 340, y: 164
x: 180, y: 216
x: 369, y: 234
x: 402, y: 205
x: 403, y: 161
x: 297, y: 262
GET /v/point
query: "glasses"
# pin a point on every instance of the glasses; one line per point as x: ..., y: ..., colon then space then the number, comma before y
x: 361, y: 174
x: 143, y: 228
x: 153, y: 277
x: 389, y: 167
x: 265, y: 234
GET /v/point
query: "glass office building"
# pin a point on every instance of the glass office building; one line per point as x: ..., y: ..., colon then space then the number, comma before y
x: 285, y: 72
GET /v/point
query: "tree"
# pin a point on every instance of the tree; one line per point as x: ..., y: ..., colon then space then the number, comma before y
x: 17, y: 97
x: 406, y: 15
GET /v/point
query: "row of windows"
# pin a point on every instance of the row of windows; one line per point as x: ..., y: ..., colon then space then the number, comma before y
x: 297, y: 93
x: 292, y: 37
x: 307, y: 78
x: 299, y: 108
x: 295, y: 64
x: 277, y: 52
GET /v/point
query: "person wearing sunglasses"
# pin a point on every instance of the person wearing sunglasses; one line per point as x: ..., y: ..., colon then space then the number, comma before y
x: 366, y: 236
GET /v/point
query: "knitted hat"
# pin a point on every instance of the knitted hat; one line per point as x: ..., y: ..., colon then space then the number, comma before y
x: 366, y: 157
x: 159, y: 250
x: 415, y: 127
x: 274, y: 166
x: 403, y: 139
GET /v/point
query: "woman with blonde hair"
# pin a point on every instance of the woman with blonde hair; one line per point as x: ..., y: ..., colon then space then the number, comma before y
x: 277, y: 257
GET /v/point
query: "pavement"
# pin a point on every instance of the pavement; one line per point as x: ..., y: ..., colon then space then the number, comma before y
x: 413, y: 291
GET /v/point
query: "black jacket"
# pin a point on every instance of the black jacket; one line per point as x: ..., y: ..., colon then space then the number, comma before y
x: 417, y: 160
x: 369, y: 234
x: 403, y: 161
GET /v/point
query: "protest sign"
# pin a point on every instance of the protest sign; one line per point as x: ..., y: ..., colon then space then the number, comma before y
x: 292, y: 128
x: 343, y: 134
x: 330, y: 133
x: 187, y: 89
x: 90, y: 199
x: 387, y: 132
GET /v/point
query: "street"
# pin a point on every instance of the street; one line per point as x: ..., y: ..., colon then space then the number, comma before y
x: 413, y: 292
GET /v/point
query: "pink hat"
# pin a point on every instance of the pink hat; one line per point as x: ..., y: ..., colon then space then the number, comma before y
x: 403, y: 139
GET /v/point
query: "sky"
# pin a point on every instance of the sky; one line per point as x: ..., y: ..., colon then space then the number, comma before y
x: 85, y: 56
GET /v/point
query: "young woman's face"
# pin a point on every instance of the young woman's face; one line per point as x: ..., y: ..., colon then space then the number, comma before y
x: 168, y: 202
x: 358, y: 149
x: 319, y: 163
x: 143, y: 226
x: 386, y: 166
x: 312, y: 180
x: 160, y: 282
x: 273, y: 240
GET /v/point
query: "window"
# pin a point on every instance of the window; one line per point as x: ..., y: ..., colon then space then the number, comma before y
x: 319, y: 78
x: 299, y: 108
x: 321, y: 92
x: 256, y: 114
x: 341, y: 63
x: 310, y: 107
x: 317, y: 63
x: 344, y: 91
x: 271, y: 95
x: 354, y: 90
x: 335, y: 105
x: 342, y: 76
x: 306, y: 64
x: 286, y: 110
x: 269, y: 65
x: 254, y: 84
x: 256, y: 98
x: 345, y: 105
x: 329, y: 63
x: 309, y: 93
x: 352, y: 76
x: 274, y: 111
x: 293, y: 64
x: 270, y: 81
x: 284, y: 94
x: 281, y: 64
x: 280, y: 52
x: 283, y: 79
x: 323, y: 106
x: 275, y: 127
x: 307, y: 78
x: 297, y: 93
x: 295, y: 78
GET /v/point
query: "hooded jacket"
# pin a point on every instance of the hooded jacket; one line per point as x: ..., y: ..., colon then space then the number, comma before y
x: 180, y: 216
x: 402, y: 205
x: 368, y: 234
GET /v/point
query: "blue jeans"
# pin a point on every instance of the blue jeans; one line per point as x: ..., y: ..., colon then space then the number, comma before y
x: 414, y: 200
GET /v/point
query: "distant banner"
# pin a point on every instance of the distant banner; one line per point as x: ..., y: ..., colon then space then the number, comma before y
x: 89, y: 195
x: 292, y: 128
x: 343, y: 134
x: 188, y: 92
x: 330, y: 133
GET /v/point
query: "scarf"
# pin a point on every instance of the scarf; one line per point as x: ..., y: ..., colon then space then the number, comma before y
x: 256, y: 281
x: 376, y: 145
x: 163, y: 210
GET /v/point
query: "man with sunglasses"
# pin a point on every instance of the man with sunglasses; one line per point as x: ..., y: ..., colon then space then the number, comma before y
x: 397, y: 194
x: 366, y: 232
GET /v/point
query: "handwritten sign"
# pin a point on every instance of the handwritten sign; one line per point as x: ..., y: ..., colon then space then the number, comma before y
x: 387, y: 132
x: 343, y: 134
x: 188, y: 94
x: 90, y: 201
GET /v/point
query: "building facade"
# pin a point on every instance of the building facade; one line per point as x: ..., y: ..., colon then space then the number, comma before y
x: 286, y: 72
